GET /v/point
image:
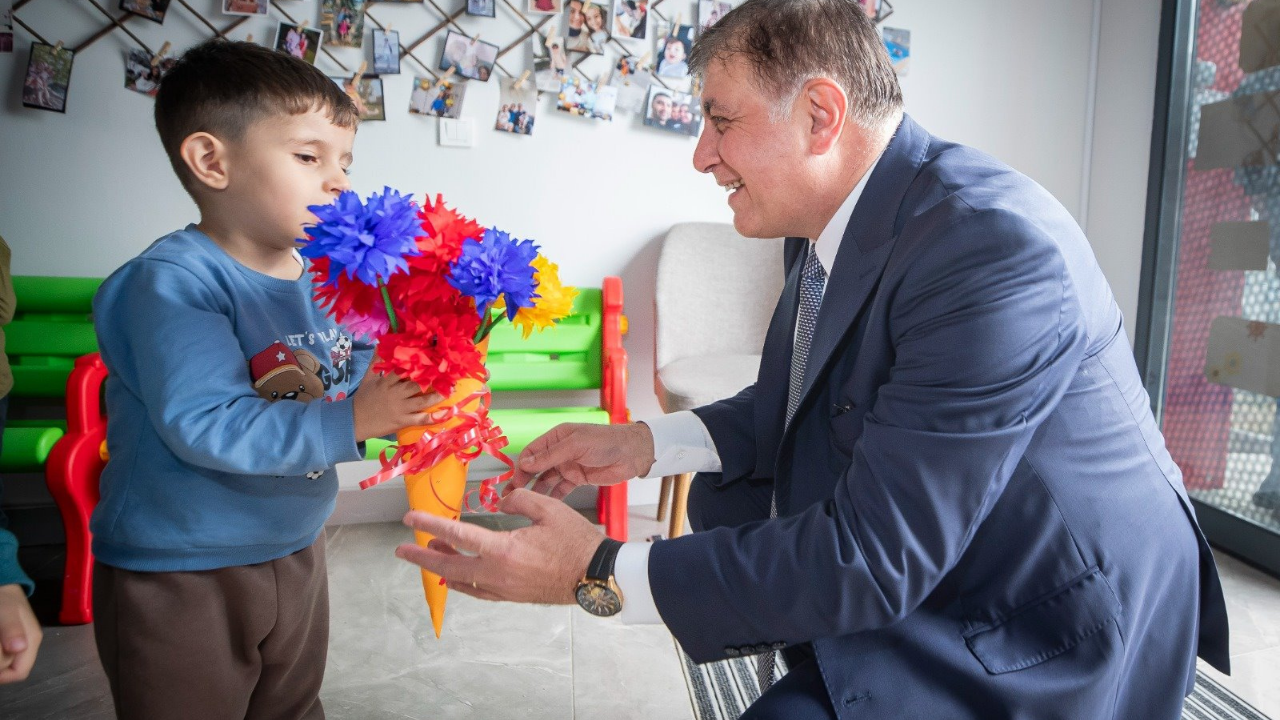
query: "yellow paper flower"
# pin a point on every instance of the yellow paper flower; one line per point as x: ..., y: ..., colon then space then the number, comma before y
x: 554, y: 301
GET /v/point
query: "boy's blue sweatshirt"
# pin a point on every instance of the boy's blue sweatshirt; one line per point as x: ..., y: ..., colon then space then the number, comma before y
x: 228, y: 405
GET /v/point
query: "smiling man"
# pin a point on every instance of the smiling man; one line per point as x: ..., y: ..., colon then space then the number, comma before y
x: 945, y: 496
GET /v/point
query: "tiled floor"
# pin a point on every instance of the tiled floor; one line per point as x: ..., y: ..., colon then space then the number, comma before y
x: 1253, y: 610
x: 511, y: 661
x: 494, y: 660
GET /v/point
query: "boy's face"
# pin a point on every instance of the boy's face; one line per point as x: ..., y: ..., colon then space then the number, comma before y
x: 282, y: 165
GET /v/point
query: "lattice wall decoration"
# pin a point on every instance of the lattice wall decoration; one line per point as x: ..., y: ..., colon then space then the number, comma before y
x: 518, y: 30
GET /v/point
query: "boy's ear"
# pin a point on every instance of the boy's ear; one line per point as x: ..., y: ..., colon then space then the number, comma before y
x: 206, y: 159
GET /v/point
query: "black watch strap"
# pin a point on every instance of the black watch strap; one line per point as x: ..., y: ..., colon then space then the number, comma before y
x: 601, y: 567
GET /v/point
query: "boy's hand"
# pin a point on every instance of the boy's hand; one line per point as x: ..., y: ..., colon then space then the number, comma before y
x: 20, y: 635
x: 387, y: 403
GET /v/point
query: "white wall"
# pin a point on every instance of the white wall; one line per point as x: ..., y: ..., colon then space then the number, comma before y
x: 1127, y: 56
x: 80, y: 193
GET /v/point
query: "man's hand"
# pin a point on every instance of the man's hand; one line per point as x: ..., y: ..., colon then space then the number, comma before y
x: 571, y: 454
x: 20, y: 634
x: 541, y: 563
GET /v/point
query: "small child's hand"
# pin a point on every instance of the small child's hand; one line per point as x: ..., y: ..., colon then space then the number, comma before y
x: 387, y: 403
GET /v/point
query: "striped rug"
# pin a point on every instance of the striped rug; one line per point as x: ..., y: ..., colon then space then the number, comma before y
x: 723, y: 690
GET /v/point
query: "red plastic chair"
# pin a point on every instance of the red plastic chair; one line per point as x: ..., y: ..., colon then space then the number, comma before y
x: 77, y: 460
x: 72, y: 473
x: 611, y: 504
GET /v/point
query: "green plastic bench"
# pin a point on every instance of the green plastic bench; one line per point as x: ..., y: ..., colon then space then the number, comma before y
x: 583, y: 352
x: 51, y: 329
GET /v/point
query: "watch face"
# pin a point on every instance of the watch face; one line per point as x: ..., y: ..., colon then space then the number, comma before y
x: 598, y: 599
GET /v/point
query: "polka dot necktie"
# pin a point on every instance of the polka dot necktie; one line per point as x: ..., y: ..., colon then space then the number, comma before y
x: 813, y: 280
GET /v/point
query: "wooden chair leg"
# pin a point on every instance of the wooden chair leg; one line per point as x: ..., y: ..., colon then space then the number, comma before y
x: 664, y: 497
x: 679, y: 504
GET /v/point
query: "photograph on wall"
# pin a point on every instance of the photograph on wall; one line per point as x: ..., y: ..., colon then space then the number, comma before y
x: 632, y: 81
x: 587, y: 99
x: 549, y: 64
x: 6, y: 29
x: 442, y: 100
x: 48, y: 76
x: 516, y: 107
x: 386, y: 52
x: 245, y: 7
x: 545, y: 7
x: 298, y: 41
x: 673, y: 111
x: 710, y: 12
x: 469, y: 58
x: 872, y: 7
x: 673, y: 48
x: 343, y: 22
x: 141, y: 75
x: 482, y: 8
x: 586, y: 26
x: 366, y: 93
x: 630, y: 19
x: 898, y: 42
x: 152, y: 10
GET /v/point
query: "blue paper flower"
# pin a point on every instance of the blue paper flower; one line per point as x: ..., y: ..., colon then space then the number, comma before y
x: 496, y: 265
x: 367, y: 240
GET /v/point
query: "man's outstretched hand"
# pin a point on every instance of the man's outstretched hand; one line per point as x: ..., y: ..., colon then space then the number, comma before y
x: 541, y: 563
x: 571, y: 455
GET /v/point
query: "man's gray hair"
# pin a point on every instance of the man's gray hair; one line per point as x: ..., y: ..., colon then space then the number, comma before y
x: 789, y: 42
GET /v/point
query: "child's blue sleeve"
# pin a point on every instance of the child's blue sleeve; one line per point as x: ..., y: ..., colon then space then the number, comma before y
x: 167, y: 337
x: 10, y: 571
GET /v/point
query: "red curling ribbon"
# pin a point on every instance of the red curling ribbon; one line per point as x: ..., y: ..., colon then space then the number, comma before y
x: 473, y: 436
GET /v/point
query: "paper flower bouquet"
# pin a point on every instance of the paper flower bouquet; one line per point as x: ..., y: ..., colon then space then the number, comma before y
x: 428, y: 285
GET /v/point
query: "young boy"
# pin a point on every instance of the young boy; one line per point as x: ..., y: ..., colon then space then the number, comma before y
x: 231, y: 397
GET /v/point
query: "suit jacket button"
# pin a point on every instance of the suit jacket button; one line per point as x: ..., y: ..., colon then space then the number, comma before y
x: 779, y: 645
x: 731, y: 652
x: 763, y: 648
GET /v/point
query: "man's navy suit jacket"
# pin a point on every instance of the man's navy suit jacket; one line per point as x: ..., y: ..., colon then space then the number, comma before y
x: 978, y: 517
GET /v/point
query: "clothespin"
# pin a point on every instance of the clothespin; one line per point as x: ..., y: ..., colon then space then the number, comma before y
x: 248, y: 38
x: 644, y: 59
x: 163, y: 49
x: 360, y: 73
x: 586, y: 5
x: 444, y: 78
x: 57, y: 48
x: 676, y: 27
x: 475, y: 39
x: 696, y: 90
x: 523, y: 76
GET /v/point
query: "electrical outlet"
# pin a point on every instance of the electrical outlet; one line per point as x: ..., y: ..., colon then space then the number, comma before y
x: 457, y: 133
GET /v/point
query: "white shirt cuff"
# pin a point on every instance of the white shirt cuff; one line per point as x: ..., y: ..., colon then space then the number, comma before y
x: 631, y: 572
x: 681, y: 444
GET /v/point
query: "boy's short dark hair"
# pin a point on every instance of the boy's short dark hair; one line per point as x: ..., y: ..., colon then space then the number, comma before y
x: 222, y: 87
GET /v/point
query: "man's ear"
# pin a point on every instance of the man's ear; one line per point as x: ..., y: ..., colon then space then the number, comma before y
x: 206, y: 159
x: 827, y: 107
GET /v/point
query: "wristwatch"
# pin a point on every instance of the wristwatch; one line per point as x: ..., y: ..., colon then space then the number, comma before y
x: 597, y: 592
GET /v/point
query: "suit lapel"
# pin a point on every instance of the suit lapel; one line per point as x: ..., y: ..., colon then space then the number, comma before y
x: 864, y: 249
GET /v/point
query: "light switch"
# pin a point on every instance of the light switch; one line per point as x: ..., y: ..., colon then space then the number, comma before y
x: 457, y: 133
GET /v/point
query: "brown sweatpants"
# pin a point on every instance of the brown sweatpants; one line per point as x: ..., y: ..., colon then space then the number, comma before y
x: 238, y: 642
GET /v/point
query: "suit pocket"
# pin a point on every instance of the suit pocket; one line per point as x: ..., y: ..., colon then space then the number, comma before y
x: 845, y: 427
x: 1046, y: 627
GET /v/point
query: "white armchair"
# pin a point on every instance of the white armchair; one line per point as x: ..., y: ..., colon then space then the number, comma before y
x: 715, y: 294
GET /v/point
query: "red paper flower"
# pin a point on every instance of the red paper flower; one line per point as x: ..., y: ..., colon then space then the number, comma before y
x: 433, y: 349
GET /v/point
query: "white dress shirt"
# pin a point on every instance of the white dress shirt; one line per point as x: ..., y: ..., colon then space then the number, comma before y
x: 682, y: 444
